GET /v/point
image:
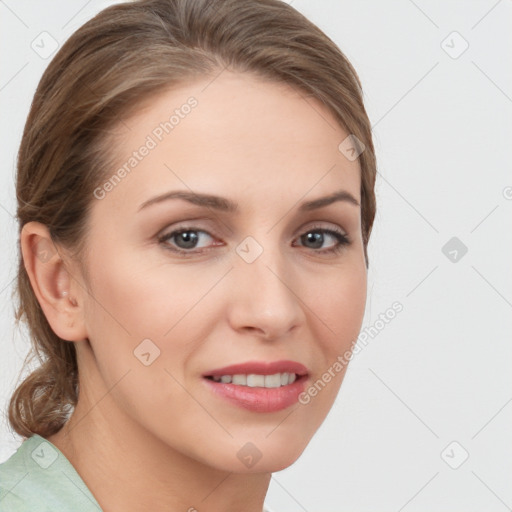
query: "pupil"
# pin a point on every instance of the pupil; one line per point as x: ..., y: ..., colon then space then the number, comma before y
x: 190, y: 240
x: 314, y: 237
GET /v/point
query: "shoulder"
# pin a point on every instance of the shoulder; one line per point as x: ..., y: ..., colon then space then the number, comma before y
x: 39, y: 477
x: 15, y: 473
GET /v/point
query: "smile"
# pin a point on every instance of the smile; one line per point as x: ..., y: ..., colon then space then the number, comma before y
x: 253, y: 380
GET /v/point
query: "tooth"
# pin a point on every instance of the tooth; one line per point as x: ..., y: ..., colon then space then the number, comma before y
x: 254, y: 381
x: 239, y: 379
x: 273, y: 381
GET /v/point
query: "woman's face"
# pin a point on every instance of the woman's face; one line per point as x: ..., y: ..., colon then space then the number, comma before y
x: 256, y: 277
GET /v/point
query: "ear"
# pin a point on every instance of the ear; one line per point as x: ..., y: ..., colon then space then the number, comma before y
x: 58, y: 292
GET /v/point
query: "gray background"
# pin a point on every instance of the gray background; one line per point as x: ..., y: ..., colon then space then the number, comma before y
x: 434, y: 385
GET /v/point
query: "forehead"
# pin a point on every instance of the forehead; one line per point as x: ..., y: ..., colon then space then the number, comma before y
x: 237, y: 134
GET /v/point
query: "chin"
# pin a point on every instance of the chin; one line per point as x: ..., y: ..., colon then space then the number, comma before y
x: 278, y: 462
x: 264, y: 456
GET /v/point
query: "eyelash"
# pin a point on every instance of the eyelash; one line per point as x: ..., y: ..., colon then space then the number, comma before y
x: 342, y: 239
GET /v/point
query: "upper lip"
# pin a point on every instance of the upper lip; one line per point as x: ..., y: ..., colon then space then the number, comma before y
x: 259, y: 368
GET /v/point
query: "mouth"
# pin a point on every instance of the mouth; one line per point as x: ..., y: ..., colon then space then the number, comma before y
x: 259, y: 386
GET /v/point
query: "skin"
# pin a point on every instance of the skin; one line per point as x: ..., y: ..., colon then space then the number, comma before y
x: 155, y: 437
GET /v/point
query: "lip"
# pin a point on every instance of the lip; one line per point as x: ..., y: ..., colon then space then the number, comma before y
x: 259, y: 368
x: 259, y: 399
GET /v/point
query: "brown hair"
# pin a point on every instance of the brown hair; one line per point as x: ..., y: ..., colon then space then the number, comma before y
x: 125, y: 55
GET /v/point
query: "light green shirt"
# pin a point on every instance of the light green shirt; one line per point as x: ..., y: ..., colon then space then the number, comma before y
x: 39, y: 478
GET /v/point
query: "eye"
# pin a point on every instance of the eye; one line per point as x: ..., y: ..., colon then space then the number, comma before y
x: 184, y: 241
x: 316, y: 237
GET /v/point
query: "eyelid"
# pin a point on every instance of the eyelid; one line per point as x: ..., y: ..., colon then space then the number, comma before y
x: 340, y: 234
x: 309, y: 226
x: 167, y: 235
x: 189, y: 226
x: 342, y: 237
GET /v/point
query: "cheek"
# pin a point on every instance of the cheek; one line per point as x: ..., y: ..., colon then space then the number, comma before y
x: 340, y: 308
x: 351, y: 302
x: 337, y: 314
x: 143, y: 326
x: 132, y: 301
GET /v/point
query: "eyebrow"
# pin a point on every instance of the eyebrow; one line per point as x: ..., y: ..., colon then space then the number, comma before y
x: 229, y: 206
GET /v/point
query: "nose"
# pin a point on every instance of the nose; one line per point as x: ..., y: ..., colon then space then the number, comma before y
x: 265, y: 298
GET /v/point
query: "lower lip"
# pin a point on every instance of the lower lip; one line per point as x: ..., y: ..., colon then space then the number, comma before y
x: 259, y: 399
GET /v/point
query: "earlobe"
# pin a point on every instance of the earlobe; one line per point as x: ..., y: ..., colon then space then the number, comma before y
x: 54, y: 286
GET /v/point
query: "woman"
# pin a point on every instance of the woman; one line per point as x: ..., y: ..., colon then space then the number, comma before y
x: 195, y: 192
